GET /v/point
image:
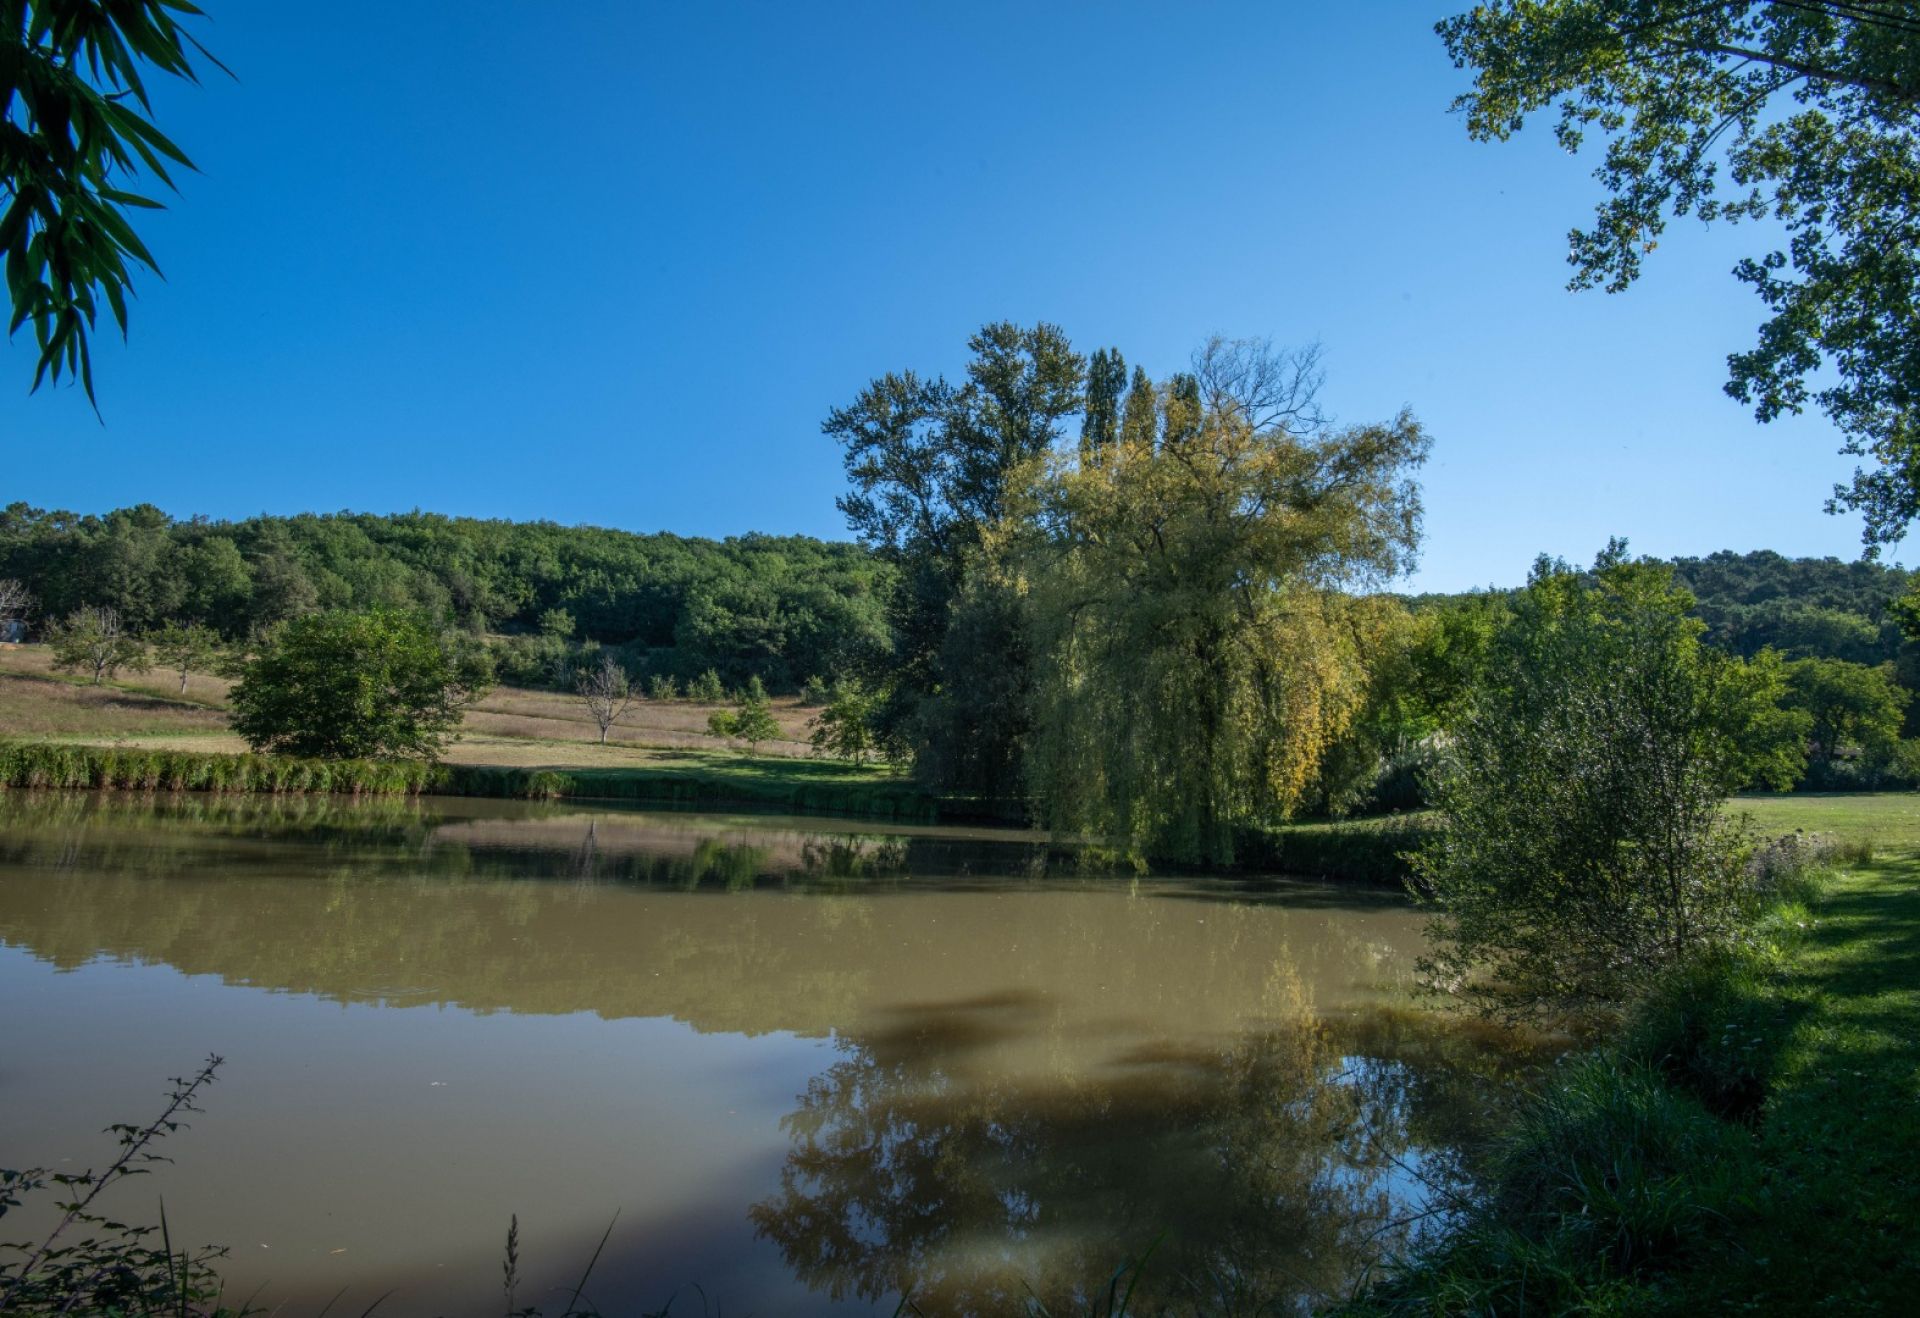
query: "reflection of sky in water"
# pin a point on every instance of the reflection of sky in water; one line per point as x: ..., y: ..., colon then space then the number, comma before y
x: 810, y: 1067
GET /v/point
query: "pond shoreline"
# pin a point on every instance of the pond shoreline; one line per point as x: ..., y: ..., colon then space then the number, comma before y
x: 1367, y: 851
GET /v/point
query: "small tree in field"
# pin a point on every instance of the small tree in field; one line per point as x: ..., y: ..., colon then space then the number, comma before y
x: 661, y: 686
x: 91, y: 640
x: 1586, y: 846
x: 607, y: 691
x: 185, y: 648
x: 844, y: 729
x: 706, y: 689
x: 377, y: 685
x: 752, y: 722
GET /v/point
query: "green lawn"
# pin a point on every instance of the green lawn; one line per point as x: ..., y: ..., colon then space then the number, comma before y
x: 1887, y: 821
x: 1839, y: 1223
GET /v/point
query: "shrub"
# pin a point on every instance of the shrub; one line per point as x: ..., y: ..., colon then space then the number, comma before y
x: 376, y: 685
x: 707, y: 688
x: 1585, y: 845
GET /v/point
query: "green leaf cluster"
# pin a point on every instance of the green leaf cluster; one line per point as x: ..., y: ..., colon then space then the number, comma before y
x: 1805, y: 115
x: 78, y: 128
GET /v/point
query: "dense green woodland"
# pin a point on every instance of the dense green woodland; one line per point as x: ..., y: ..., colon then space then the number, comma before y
x: 784, y: 608
x: 1803, y: 607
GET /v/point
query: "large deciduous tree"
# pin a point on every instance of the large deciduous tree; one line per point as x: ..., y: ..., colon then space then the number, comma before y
x: 931, y: 465
x: 77, y: 134
x: 1854, y: 714
x: 1196, y: 650
x: 1806, y: 113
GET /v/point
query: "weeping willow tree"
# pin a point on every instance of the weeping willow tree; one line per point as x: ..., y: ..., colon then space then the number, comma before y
x: 1192, y: 609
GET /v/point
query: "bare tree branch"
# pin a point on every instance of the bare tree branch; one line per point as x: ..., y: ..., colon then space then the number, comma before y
x: 1264, y: 387
x: 607, y: 691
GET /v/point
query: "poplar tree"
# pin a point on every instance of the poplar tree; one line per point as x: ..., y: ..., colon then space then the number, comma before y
x: 1106, y: 382
x: 1140, y: 426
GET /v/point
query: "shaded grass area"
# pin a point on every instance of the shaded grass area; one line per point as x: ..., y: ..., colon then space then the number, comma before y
x: 676, y: 778
x: 1747, y: 1144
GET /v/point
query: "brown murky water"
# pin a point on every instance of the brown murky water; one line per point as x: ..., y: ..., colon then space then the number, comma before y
x: 811, y: 1066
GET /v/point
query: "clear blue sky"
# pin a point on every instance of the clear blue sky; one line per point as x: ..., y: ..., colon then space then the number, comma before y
x: 611, y: 262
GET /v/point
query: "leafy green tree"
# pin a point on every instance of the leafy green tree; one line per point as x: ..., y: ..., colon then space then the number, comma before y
x: 187, y: 648
x: 932, y: 465
x: 1421, y: 667
x: 95, y: 641
x: 1586, y: 845
x: 661, y: 686
x: 79, y: 129
x: 1194, y: 654
x: 751, y: 721
x: 215, y: 585
x: 1854, y: 714
x: 557, y: 623
x: 1809, y: 110
x: 375, y: 685
x: 844, y: 727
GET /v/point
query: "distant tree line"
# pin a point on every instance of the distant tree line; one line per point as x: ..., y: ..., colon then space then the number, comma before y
x: 1841, y: 632
x: 1206, y: 548
x: 780, y: 608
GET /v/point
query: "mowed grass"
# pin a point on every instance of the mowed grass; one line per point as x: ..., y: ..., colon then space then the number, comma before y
x: 511, y: 726
x: 1889, y: 822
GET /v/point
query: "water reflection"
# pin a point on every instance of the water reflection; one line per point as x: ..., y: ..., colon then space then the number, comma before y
x: 1271, y: 1170
x: 901, y: 1063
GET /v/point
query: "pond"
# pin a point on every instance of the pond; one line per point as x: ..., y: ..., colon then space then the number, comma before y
x: 799, y: 1065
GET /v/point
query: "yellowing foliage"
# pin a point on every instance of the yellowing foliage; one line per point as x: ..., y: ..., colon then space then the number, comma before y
x: 1198, y: 650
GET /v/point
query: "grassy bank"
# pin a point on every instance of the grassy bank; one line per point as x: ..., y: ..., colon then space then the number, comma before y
x: 687, y: 778
x: 1747, y: 1143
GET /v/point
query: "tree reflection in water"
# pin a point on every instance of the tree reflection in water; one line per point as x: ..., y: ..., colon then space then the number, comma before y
x: 1267, y: 1170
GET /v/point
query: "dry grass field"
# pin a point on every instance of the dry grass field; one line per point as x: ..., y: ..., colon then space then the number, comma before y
x: 510, y: 727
